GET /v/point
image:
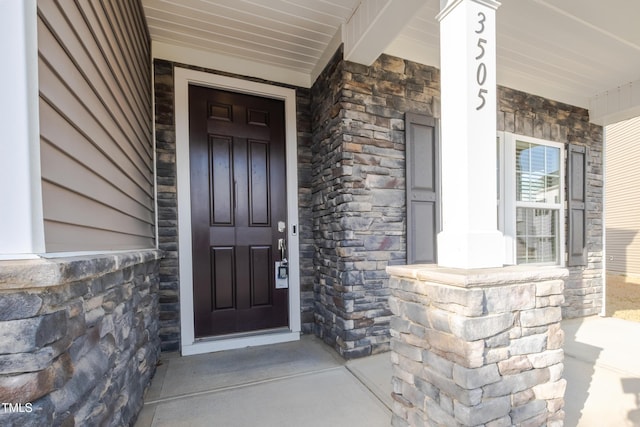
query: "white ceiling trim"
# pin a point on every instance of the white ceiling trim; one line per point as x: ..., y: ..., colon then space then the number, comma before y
x: 229, y: 64
x: 615, y: 105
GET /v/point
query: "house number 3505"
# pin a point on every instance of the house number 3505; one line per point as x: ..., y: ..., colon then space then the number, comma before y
x: 481, y: 70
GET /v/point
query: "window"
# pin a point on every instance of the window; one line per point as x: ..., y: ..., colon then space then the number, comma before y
x: 530, y: 199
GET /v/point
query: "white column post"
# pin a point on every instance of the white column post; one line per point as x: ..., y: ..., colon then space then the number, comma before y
x: 470, y: 236
x: 21, y: 221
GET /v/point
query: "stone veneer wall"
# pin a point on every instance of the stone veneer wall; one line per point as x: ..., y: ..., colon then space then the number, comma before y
x: 78, y: 338
x: 168, y: 204
x: 359, y: 192
x: 358, y: 189
x: 477, y: 347
x: 351, y: 192
x: 529, y: 115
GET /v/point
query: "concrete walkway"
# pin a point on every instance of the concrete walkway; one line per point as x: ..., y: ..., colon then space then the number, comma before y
x: 602, y: 368
x: 307, y: 384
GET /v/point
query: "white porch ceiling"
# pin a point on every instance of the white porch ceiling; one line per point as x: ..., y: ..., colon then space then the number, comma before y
x: 573, y: 51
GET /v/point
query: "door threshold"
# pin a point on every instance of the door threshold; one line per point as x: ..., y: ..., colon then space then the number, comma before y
x: 244, y: 334
x: 241, y: 340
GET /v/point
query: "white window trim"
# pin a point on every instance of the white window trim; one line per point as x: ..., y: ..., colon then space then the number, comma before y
x: 507, y: 210
x: 189, y: 344
x: 501, y: 198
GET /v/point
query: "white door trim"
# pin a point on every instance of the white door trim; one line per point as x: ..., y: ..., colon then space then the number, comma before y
x: 182, y: 78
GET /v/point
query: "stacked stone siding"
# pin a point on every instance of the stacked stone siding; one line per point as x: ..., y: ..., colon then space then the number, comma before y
x: 359, y: 192
x: 529, y: 115
x: 351, y: 164
x: 477, y: 347
x: 168, y: 203
x: 78, y: 338
x: 305, y: 206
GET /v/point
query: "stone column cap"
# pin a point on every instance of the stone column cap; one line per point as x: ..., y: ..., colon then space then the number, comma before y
x: 480, y: 277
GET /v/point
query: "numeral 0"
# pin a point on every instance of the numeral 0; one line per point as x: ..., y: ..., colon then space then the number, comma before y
x: 481, y: 74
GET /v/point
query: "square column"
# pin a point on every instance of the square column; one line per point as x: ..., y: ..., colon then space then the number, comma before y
x: 469, y: 238
x: 21, y: 223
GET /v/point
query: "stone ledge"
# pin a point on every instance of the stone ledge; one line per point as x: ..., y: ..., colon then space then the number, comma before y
x: 479, y: 277
x: 82, y: 350
x: 51, y: 272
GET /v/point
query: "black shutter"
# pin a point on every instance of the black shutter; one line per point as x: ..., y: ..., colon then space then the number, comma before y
x: 422, y: 188
x: 577, y: 204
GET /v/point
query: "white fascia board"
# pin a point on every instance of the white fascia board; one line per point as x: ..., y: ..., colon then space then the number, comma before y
x: 374, y: 25
x: 615, y: 105
x: 229, y: 64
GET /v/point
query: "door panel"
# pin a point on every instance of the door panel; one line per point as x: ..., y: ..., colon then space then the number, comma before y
x: 221, y: 186
x: 260, y: 274
x: 259, y: 182
x: 222, y: 265
x: 238, y: 195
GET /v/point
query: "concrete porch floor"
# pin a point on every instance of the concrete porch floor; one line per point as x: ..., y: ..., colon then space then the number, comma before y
x: 306, y: 383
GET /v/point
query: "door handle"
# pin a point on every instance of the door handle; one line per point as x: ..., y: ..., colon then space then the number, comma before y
x: 282, y: 247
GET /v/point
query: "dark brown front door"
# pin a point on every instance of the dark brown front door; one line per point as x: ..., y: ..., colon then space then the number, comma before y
x: 238, y: 196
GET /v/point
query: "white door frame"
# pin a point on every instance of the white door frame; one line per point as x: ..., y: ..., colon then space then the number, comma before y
x: 189, y: 345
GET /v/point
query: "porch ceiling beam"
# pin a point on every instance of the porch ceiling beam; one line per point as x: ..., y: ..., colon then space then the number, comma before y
x: 374, y: 25
x: 615, y: 105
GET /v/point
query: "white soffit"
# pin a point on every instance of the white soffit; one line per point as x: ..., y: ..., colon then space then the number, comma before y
x: 374, y: 25
x: 566, y: 50
x: 276, y: 39
x: 569, y: 50
x: 419, y: 41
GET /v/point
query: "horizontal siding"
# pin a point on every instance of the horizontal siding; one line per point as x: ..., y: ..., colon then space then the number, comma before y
x: 86, y: 182
x: 88, y: 213
x: 623, y: 197
x: 64, y: 136
x: 62, y: 237
x: 95, y: 125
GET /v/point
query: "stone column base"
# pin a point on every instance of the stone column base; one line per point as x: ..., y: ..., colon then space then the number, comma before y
x: 477, y: 347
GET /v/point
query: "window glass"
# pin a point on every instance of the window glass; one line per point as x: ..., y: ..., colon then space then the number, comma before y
x: 531, y: 211
x: 537, y: 173
x: 536, y: 235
